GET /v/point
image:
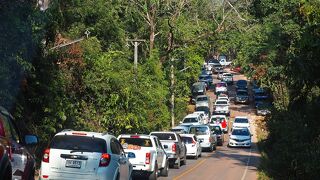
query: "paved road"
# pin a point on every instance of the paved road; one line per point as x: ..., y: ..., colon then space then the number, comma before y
x: 224, y: 163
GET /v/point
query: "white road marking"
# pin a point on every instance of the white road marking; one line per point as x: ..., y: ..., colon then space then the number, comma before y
x: 247, y: 165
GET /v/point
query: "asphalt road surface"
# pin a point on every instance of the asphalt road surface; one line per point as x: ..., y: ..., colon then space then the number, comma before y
x: 224, y: 163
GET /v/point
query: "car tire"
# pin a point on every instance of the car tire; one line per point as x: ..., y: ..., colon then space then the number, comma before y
x: 154, y: 174
x: 214, y: 147
x: 177, y: 165
x: 165, y: 171
x: 196, y: 157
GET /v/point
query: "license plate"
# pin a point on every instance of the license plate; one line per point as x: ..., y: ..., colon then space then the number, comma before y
x: 73, y: 164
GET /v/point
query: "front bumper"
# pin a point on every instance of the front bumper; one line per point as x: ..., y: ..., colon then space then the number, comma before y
x: 234, y: 143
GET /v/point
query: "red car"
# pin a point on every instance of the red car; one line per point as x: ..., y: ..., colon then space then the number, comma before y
x: 21, y: 160
x: 237, y: 69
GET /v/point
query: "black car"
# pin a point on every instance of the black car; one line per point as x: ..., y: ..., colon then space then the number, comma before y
x: 242, y: 96
x: 241, y: 84
x: 207, y: 79
x: 5, y: 165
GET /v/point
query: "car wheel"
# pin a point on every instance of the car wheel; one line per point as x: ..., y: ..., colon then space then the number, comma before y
x: 154, y: 174
x: 214, y: 147
x: 165, y: 171
x: 177, y: 165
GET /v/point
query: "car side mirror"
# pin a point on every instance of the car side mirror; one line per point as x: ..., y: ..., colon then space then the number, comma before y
x: 165, y: 146
x: 180, y: 122
x: 31, y: 139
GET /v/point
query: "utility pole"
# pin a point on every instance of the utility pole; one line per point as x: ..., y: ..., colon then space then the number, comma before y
x: 172, y: 93
x: 136, y: 43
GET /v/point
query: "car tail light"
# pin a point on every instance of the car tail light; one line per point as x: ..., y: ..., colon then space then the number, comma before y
x: 148, y: 156
x: 45, y: 176
x: 79, y: 133
x: 105, y: 160
x: 135, y: 136
x: 174, y: 147
x: 46, y: 155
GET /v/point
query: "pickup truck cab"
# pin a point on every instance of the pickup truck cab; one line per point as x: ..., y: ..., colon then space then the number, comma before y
x: 174, y: 147
x: 222, y: 107
x: 146, y: 155
x: 192, y: 119
x: 22, y: 161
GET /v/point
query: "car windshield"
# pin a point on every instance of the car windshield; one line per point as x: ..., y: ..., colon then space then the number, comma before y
x: 263, y: 106
x: 216, y: 129
x: 202, y: 98
x: 221, y: 85
x: 199, y: 130
x: 140, y: 142
x: 260, y: 94
x: 240, y: 132
x: 203, y: 108
x: 241, y: 120
x: 164, y: 136
x: 242, y: 83
x: 190, y: 120
x: 242, y: 93
x: 187, y: 140
x: 81, y: 143
x: 217, y: 119
x: 221, y: 102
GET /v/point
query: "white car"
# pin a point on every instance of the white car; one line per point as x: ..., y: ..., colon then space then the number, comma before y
x: 146, y: 155
x: 221, y: 87
x: 227, y: 77
x: 240, y: 137
x: 203, y: 115
x: 193, y: 145
x: 202, y: 100
x: 191, y: 119
x: 222, y: 107
x: 241, y: 122
x: 85, y: 155
x: 224, y: 98
x: 219, y: 119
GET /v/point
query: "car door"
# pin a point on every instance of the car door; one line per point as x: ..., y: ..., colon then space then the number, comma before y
x: 22, y: 162
x: 181, y: 146
x: 124, y: 164
x: 160, y: 152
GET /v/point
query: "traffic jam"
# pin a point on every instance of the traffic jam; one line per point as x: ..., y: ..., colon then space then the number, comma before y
x: 91, y: 155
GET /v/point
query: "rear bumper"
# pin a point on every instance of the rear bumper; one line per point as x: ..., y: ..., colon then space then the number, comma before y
x: 205, y: 144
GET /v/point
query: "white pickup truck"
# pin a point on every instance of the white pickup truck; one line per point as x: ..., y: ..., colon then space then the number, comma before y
x: 146, y: 155
x: 174, y: 147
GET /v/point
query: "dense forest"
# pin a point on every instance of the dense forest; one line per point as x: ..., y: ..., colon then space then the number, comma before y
x: 92, y: 84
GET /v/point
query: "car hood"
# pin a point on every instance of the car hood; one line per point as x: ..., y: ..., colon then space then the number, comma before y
x: 222, y: 108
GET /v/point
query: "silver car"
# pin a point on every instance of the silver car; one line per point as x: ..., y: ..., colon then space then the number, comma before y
x: 85, y: 155
x: 208, y: 140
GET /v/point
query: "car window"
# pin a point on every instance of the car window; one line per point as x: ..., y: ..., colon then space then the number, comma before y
x: 199, y: 130
x: 165, y: 136
x: 221, y: 102
x: 242, y: 93
x: 241, y: 120
x: 202, y: 99
x: 187, y: 140
x: 115, y: 149
x: 190, y: 120
x: 135, y: 143
x: 85, y: 143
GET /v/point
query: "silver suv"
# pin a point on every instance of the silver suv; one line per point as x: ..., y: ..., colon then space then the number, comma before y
x: 85, y: 155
